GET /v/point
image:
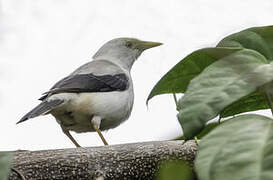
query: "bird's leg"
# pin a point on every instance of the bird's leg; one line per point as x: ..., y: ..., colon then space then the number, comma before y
x: 96, y: 120
x: 67, y: 133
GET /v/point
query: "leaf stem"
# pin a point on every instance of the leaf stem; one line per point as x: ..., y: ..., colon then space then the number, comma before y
x: 269, y: 100
x: 196, y: 140
x: 176, y: 102
x: 219, y: 120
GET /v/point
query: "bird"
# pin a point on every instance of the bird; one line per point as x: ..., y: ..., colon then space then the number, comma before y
x: 98, y: 95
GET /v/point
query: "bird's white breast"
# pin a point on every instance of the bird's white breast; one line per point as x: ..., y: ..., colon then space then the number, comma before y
x: 113, y: 107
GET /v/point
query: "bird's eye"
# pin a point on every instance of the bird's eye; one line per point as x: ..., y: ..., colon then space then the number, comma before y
x: 128, y: 44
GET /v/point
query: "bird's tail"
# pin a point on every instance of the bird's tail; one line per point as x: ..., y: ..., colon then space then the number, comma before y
x: 43, y: 108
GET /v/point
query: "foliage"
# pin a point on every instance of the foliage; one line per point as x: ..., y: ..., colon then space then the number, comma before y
x: 178, y: 78
x: 5, y: 164
x: 232, y: 78
x: 241, y: 148
x: 175, y: 170
x: 209, y: 127
x: 219, y: 85
x: 250, y: 50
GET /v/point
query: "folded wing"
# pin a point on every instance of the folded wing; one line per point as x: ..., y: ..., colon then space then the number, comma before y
x: 89, y: 83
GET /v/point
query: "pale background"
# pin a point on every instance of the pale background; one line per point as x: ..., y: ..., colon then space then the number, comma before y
x: 41, y: 41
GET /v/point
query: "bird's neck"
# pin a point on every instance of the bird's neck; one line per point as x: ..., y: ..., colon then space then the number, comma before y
x: 125, y: 62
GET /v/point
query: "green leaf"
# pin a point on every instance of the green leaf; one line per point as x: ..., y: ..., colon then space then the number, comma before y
x: 178, y: 78
x: 241, y: 148
x: 5, y: 164
x: 252, y: 102
x: 259, y: 39
x: 219, y: 85
x: 209, y: 127
x: 175, y: 170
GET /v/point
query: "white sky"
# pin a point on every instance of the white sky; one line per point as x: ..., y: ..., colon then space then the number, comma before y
x: 43, y: 41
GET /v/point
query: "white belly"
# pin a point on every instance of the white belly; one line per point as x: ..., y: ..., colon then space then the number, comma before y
x: 76, y: 114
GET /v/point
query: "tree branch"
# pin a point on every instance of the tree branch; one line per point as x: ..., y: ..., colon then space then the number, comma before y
x: 125, y: 161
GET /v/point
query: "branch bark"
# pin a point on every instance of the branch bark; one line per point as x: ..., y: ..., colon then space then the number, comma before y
x: 125, y: 161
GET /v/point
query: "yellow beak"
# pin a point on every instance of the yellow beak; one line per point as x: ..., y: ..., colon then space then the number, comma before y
x: 148, y: 44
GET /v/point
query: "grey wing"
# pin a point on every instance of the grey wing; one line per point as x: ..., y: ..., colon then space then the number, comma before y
x: 89, y: 83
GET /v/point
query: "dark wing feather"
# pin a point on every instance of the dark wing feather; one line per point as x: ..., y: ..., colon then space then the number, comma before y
x: 89, y: 83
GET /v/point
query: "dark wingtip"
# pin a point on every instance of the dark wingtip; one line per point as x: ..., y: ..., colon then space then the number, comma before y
x: 43, y: 97
x: 22, y: 120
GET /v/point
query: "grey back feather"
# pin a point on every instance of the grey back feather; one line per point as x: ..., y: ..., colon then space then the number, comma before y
x: 98, y: 67
x: 95, y: 76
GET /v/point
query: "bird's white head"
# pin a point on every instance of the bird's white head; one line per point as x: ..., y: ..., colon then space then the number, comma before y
x: 124, y: 51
